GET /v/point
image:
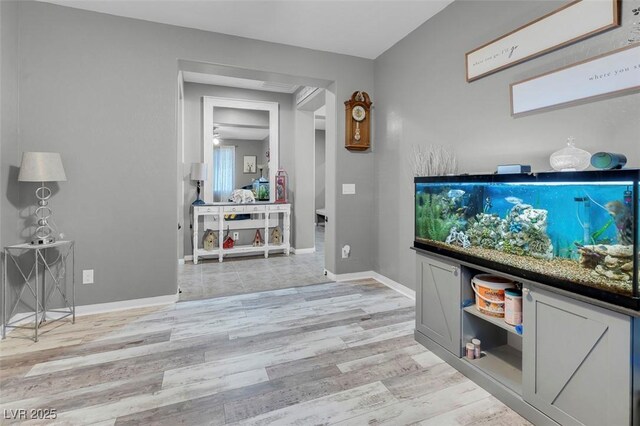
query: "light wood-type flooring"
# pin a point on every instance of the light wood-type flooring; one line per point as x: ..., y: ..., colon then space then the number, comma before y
x: 333, y: 353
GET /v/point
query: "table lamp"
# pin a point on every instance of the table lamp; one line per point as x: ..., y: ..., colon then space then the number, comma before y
x: 198, y: 173
x: 42, y: 167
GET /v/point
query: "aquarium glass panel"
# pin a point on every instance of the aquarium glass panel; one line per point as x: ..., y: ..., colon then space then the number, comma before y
x: 579, y: 232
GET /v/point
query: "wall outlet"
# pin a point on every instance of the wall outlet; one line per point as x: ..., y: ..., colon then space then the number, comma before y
x: 87, y: 276
x: 346, y: 250
x: 236, y: 236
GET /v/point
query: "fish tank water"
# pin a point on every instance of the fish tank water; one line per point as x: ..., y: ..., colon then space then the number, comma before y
x: 574, y: 230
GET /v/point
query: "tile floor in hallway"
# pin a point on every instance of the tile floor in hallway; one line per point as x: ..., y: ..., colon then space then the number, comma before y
x: 240, y: 275
x: 334, y: 353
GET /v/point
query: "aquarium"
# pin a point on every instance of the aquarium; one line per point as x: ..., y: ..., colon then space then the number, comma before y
x: 574, y: 230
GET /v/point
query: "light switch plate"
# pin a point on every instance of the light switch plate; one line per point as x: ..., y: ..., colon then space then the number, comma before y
x: 348, y: 188
x: 87, y: 276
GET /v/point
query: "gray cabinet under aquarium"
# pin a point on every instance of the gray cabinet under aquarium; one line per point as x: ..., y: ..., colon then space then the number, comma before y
x: 572, y: 362
x: 438, y: 297
x: 570, y: 242
x: 576, y: 358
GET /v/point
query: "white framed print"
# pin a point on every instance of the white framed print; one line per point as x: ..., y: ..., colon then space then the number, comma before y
x: 611, y: 74
x: 250, y: 164
x: 574, y: 21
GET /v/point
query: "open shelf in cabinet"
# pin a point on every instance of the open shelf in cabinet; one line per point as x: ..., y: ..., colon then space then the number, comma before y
x: 498, y: 322
x: 501, y: 345
x: 503, y: 363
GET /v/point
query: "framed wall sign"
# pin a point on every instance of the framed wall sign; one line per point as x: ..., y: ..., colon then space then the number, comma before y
x: 606, y: 75
x: 575, y: 21
x: 250, y: 165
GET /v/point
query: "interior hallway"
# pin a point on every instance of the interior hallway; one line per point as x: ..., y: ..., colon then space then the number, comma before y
x: 241, y: 275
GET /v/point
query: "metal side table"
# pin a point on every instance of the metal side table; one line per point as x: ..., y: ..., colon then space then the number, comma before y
x: 32, y: 263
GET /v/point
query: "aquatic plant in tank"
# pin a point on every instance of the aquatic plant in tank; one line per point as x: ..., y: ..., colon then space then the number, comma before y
x: 575, y: 230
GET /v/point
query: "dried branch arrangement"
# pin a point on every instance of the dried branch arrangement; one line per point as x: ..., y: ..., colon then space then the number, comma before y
x: 432, y: 160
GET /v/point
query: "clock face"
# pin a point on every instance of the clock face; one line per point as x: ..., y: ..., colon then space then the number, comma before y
x: 358, y: 113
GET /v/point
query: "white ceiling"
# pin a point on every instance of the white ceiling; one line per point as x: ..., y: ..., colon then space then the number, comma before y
x: 364, y: 28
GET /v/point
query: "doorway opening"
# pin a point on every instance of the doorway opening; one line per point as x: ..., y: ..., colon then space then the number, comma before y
x: 229, y: 92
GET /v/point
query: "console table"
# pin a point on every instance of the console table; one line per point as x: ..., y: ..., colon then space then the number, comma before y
x: 264, y: 213
x: 33, y: 274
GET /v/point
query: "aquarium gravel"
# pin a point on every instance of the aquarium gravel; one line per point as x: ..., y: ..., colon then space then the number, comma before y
x: 559, y: 268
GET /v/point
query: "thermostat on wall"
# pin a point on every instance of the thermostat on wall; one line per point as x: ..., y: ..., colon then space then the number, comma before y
x: 506, y: 169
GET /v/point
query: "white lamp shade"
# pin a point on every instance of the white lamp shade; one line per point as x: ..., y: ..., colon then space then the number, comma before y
x: 198, y: 171
x: 41, y: 167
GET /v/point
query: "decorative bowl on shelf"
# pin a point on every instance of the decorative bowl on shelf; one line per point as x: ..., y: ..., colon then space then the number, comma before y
x: 570, y: 159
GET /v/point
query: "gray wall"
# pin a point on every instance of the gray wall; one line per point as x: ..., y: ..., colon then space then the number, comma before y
x: 320, y: 166
x: 101, y: 90
x: 303, y: 182
x: 10, y: 155
x: 422, y: 98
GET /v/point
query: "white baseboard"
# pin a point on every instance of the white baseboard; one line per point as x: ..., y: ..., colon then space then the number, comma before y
x: 100, y: 308
x: 402, y: 289
x: 122, y: 305
x: 303, y: 251
x: 181, y: 261
x: 394, y: 285
x: 187, y: 258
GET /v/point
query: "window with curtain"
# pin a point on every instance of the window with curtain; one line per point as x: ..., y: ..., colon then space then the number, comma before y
x: 224, y: 161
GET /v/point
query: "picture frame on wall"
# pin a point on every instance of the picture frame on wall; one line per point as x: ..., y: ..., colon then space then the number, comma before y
x: 570, y: 23
x: 250, y: 164
x: 603, y: 76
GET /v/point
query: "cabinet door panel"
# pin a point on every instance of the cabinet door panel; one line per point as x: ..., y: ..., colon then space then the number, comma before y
x: 576, y: 361
x: 438, y: 302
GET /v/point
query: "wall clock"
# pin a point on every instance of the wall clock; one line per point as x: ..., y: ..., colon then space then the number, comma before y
x: 358, y: 122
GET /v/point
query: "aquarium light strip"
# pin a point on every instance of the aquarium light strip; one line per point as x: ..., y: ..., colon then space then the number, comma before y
x: 629, y: 183
x: 457, y: 184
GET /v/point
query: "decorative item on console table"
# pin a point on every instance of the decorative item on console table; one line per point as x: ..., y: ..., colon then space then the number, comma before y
x: 228, y: 241
x: 198, y: 174
x: 210, y: 240
x: 242, y: 196
x: 276, y: 236
x: 358, y: 122
x: 282, y: 183
x: 258, y: 241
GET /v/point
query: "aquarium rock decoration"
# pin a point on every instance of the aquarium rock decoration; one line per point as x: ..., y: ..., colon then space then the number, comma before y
x: 523, y: 232
x: 612, y: 261
x: 486, y: 230
x: 458, y: 238
x: 526, y: 232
